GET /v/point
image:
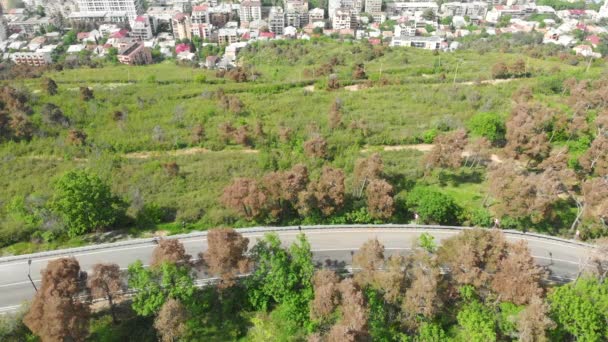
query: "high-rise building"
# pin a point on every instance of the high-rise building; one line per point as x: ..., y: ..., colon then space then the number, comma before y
x: 181, y: 27
x: 132, y: 8
x: 250, y: 10
x: 373, y: 6
x: 276, y: 20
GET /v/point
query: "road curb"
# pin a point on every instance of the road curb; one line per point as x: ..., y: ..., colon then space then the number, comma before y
x: 144, y: 241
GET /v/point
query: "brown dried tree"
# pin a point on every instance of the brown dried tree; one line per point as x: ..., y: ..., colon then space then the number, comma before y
x: 534, y: 322
x: 77, y: 137
x: 49, y: 86
x: 369, y: 260
x: 198, y: 134
x: 595, y: 200
x: 422, y: 297
x: 392, y: 281
x: 353, y: 325
x: 55, y: 314
x: 86, y: 94
x: 316, y: 147
x: 169, y: 251
x: 518, y: 278
x: 325, y: 194
x: 380, y: 203
x: 246, y: 197
x: 170, y: 323
x: 242, y: 137
x: 595, y: 160
x: 526, y: 135
x: 326, y: 294
x: 447, y: 150
x: 473, y: 256
x: 106, y: 282
x: 171, y: 169
x: 225, y: 256
x: 366, y: 170
x: 226, y: 131
x: 335, y: 114
x: 282, y: 188
x: 285, y: 133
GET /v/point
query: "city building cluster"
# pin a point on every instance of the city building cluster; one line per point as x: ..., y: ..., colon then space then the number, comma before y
x: 44, y: 31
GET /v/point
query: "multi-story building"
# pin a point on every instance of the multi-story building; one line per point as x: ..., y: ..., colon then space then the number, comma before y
x: 32, y: 58
x: 296, y: 19
x: 202, y: 30
x: 200, y: 15
x: 276, y: 20
x: 344, y: 18
x: 227, y: 36
x: 373, y: 6
x: 135, y: 54
x: 30, y: 26
x: 143, y: 27
x: 181, y: 26
x: 316, y: 15
x: 299, y: 6
x: 472, y: 9
x: 410, y: 8
x: 132, y: 8
x: 250, y: 10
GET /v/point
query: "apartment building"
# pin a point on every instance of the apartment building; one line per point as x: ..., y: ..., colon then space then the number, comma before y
x: 227, y: 36
x: 476, y: 9
x: 181, y: 25
x: 202, y: 30
x: 32, y: 58
x: 373, y: 6
x: 200, y: 15
x: 135, y: 54
x: 276, y: 20
x: 344, y: 19
x: 132, y: 8
x: 316, y: 15
x: 250, y: 10
x: 143, y: 27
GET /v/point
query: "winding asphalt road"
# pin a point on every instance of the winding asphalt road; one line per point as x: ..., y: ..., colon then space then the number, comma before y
x: 563, y: 257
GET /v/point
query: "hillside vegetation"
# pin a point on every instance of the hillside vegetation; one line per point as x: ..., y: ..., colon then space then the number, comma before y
x: 298, y: 135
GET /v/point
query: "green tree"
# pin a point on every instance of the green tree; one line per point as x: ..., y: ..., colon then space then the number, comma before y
x: 85, y: 202
x: 581, y: 309
x: 477, y: 322
x: 427, y: 241
x: 488, y: 125
x: 431, y: 332
x: 282, y: 277
x: 112, y: 55
x: 433, y: 206
x: 154, y: 286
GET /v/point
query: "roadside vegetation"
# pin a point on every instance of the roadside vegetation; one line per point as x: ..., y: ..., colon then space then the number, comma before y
x: 306, y: 133
x: 475, y: 287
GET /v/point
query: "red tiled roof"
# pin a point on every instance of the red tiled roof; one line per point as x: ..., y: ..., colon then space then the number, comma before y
x: 200, y: 8
x: 374, y: 41
x: 593, y: 39
x: 179, y: 48
x: 120, y: 34
x: 82, y: 35
x: 267, y: 35
x: 140, y: 19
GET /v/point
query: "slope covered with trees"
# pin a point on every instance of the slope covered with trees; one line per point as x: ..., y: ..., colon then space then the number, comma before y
x: 306, y: 133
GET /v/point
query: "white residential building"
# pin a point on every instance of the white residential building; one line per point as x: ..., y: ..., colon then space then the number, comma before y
x: 143, y: 27
x: 276, y: 20
x: 373, y: 6
x: 250, y: 10
x: 475, y: 9
x: 344, y: 18
x: 200, y: 14
x: 132, y: 8
x: 316, y: 15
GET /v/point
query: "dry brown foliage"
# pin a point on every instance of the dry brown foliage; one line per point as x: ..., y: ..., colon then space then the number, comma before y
x: 335, y: 114
x: 225, y: 255
x: 533, y: 322
x: 326, y: 294
x: 526, y: 136
x: 171, y: 320
x: 518, y: 279
x: 326, y: 193
x: 316, y: 147
x: 245, y: 196
x: 169, y: 251
x: 380, y: 203
x: 447, y: 150
x: 77, y: 137
x: 366, y: 170
x: 55, y: 315
x: 106, y: 282
x: 171, y: 169
x: 369, y: 259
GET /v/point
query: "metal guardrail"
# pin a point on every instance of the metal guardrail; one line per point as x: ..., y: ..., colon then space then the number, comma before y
x: 143, y: 241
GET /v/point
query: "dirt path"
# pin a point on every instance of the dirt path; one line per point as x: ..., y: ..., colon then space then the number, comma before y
x: 199, y: 150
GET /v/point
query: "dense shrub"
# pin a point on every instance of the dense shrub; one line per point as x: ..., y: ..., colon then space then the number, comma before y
x: 433, y: 206
x: 488, y: 125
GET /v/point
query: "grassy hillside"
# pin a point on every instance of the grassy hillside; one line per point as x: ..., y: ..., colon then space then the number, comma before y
x: 141, y: 117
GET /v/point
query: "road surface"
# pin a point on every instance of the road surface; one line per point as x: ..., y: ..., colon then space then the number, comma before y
x: 329, y: 243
